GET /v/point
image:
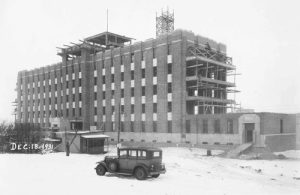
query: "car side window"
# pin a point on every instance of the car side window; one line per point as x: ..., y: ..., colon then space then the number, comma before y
x: 123, y: 153
x: 132, y: 153
x: 142, y: 154
x: 156, y: 154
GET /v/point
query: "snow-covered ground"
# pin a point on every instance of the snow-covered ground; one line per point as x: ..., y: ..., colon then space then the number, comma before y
x: 189, y: 171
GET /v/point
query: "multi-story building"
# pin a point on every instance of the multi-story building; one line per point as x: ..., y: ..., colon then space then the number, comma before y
x: 169, y: 89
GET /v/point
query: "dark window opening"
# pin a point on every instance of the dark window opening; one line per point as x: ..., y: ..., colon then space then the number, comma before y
x: 154, y: 89
x: 155, y: 108
x: 154, y: 71
x: 217, y: 126
x: 281, y: 126
x: 205, y: 126
x: 188, y: 126
x: 143, y: 73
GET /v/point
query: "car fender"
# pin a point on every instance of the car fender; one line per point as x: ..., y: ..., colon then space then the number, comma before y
x: 140, y: 165
x: 103, y: 164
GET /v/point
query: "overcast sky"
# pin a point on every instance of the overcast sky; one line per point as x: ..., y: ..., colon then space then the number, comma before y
x: 263, y: 37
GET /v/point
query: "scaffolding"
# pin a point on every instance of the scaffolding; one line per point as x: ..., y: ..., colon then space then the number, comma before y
x: 207, y: 86
x: 164, y: 23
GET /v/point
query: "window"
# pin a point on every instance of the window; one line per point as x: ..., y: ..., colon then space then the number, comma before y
x: 79, y: 111
x: 154, y: 89
x: 281, y: 126
x: 155, y: 108
x: 95, y: 96
x: 55, y: 87
x: 153, y: 52
x: 188, y: 126
x: 79, y: 68
x: 169, y: 87
x: 95, y: 110
x: 217, y: 126
x: 132, y: 153
x: 73, y: 97
x: 154, y: 126
x: 143, y: 90
x: 67, y: 84
x: 122, y: 93
x: 132, y: 92
x: 143, y: 108
x: 156, y: 154
x: 132, y: 108
x: 112, y: 78
x: 143, y: 73
x: 67, y: 98
x: 80, y: 97
x: 103, y: 80
x: 154, y: 71
x: 122, y: 109
x: 122, y: 76
x: 142, y: 154
x: 103, y: 110
x: 170, y: 68
x: 73, y: 111
x: 123, y: 153
x: 131, y: 126
x: 230, y: 126
x: 112, y: 93
x: 143, y: 126
x: 131, y: 57
x: 103, y: 95
x: 169, y: 126
x: 95, y: 80
x: 132, y: 75
x: 79, y: 82
x: 169, y: 106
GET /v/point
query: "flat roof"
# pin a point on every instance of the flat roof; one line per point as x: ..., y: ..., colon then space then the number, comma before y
x: 95, y: 136
x: 101, y: 38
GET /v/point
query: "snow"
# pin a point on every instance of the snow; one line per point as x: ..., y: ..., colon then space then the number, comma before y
x: 189, y: 171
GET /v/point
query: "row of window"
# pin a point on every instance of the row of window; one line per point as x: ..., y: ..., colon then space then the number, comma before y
x: 143, y: 126
x: 132, y: 108
x: 217, y: 127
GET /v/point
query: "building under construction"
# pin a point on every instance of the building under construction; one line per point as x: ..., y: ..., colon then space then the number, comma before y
x: 177, y: 88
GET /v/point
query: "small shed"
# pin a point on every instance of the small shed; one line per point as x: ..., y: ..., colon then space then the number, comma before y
x: 94, y: 143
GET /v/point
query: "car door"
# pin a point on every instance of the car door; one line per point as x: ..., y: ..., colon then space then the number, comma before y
x: 132, y: 159
x: 123, y: 158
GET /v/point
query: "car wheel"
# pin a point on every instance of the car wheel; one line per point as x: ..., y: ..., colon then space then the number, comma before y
x: 113, y: 166
x: 100, y: 170
x: 156, y: 175
x: 140, y: 173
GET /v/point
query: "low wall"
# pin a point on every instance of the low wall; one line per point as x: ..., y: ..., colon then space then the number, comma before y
x: 280, y: 142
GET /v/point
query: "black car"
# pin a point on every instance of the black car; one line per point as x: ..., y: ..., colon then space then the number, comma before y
x: 141, y: 162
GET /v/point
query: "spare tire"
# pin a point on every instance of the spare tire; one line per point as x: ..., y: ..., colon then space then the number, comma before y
x: 113, y: 166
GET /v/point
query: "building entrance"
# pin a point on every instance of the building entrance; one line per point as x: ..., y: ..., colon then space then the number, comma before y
x: 249, y: 128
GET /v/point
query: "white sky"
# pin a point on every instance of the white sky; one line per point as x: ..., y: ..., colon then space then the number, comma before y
x: 263, y: 37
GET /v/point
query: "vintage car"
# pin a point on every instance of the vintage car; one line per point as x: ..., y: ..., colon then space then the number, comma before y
x: 141, y: 162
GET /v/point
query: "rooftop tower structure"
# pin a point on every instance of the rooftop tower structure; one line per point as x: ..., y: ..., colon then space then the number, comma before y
x: 164, y: 23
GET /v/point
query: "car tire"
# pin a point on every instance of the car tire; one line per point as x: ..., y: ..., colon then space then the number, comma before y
x: 140, y: 173
x: 156, y: 175
x: 113, y: 166
x: 100, y: 170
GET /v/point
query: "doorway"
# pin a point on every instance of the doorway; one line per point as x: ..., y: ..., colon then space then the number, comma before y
x: 249, y: 128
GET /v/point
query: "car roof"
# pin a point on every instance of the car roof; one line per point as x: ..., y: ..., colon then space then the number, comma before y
x: 140, y: 148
